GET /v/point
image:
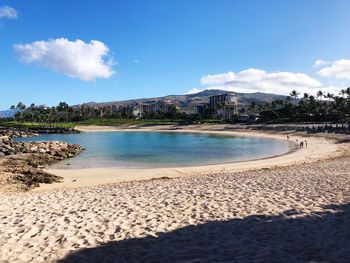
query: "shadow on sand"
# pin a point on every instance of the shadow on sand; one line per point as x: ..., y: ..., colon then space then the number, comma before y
x: 319, y: 237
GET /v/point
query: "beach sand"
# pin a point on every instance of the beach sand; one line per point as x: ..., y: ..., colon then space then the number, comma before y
x: 290, y: 214
x: 298, y: 212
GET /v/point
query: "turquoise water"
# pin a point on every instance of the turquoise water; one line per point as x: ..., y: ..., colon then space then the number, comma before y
x: 162, y: 149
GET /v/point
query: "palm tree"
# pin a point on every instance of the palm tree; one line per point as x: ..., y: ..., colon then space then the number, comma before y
x: 252, y: 108
x: 294, y: 94
x: 329, y: 96
x: 342, y: 93
x: 306, y: 96
x: 347, y: 92
x: 319, y: 94
x: 260, y: 108
x: 21, y: 106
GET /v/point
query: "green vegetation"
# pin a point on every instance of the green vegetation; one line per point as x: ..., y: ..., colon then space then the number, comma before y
x: 63, y: 113
x: 65, y: 116
x: 327, y: 108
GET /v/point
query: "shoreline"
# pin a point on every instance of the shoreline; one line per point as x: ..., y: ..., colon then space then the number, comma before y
x: 319, y: 148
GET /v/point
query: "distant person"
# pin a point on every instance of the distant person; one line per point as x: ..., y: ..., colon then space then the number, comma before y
x: 301, y: 145
x: 287, y: 136
x: 305, y: 143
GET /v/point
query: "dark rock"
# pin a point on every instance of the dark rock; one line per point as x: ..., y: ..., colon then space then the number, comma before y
x: 24, y: 160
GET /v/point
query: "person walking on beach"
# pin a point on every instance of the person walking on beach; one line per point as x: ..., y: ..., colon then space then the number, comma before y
x: 305, y: 143
x: 287, y: 136
x: 301, y: 145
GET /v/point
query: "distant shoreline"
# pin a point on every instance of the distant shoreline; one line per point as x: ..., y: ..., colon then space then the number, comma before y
x: 318, y: 148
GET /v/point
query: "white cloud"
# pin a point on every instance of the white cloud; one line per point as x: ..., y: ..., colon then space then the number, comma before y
x: 218, y: 78
x: 320, y: 62
x: 193, y: 91
x: 136, y: 61
x: 8, y: 12
x: 256, y: 80
x: 75, y: 59
x: 339, y: 69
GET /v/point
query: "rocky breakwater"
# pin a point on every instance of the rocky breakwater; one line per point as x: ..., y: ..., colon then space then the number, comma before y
x: 21, y: 163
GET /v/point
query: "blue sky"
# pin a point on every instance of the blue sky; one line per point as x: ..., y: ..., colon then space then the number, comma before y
x: 155, y: 48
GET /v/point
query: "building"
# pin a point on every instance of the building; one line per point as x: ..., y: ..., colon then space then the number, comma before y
x: 141, y: 110
x: 223, y: 106
x: 199, y: 109
x: 227, y: 99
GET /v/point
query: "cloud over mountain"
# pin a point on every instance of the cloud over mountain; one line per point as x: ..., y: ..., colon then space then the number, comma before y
x: 257, y: 80
x: 76, y: 59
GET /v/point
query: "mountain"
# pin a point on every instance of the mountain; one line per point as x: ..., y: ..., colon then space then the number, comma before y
x: 7, y: 113
x: 188, y: 101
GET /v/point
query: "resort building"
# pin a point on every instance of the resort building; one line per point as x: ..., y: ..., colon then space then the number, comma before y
x: 199, y: 109
x: 141, y: 110
x: 223, y: 106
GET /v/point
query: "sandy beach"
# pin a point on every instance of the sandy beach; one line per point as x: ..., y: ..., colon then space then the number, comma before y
x: 290, y: 208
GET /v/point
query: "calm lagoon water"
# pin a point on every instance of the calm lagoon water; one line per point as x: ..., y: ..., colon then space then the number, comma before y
x: 162, y: 149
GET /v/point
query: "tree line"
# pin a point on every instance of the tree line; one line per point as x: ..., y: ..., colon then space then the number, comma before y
x: 65, y: 113
x: 324, y: 107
